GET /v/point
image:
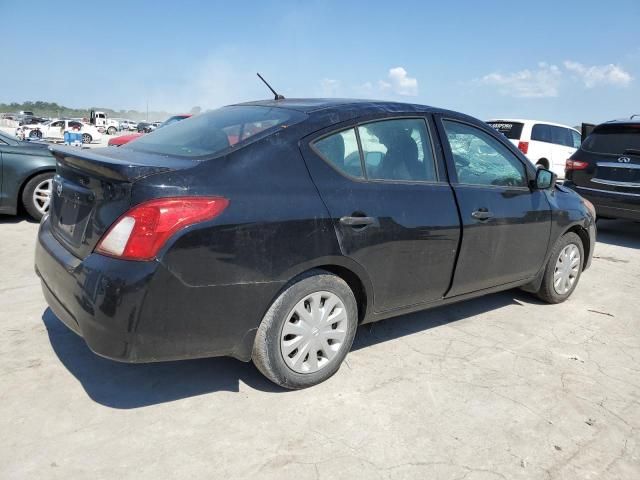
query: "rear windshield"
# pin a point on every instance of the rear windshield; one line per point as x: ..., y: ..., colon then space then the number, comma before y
x: 511, y: 130
x: 212, y: 132
x: 615, y: 139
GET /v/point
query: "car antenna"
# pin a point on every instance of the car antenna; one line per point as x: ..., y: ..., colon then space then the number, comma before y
x: 276, y: 95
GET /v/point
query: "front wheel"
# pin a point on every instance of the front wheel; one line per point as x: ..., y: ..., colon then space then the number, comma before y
x: 563, y: 269
x: 35, y: 135
x: 111, y: 130
x: 307, y: 332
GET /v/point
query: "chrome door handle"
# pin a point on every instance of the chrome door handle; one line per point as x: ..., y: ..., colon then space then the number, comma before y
x: 482, y: 214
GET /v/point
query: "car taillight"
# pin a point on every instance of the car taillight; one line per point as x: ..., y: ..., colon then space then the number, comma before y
x: 575, y: 165
x: 523, y: 147
x: 141, y: 232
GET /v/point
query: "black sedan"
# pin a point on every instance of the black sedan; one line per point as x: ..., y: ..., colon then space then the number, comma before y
x: 26, y: 173
x: 271, y: 230
x: 606, y: 169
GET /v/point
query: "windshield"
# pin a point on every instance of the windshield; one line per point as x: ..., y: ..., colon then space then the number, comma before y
x: 212, y: 132
x: 614, y: 139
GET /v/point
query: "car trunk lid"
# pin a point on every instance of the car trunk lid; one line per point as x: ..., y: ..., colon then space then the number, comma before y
x: 91, y: 189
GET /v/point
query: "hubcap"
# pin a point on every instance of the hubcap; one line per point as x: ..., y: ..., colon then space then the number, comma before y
x: 567, y: 269
x: 314, y: 332
x: 42, y: 196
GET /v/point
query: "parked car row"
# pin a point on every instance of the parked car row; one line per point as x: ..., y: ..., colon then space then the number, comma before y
x: 146, y: 128
x: 54, y: 130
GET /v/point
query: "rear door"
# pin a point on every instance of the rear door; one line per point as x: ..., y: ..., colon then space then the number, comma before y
x: 393, y: 211
x: 506, y: 225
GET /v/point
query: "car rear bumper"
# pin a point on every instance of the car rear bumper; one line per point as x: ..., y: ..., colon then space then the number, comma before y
x: 611, y: 204
x: 141, y: 312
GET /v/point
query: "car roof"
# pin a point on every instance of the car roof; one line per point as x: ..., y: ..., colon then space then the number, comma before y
x: 329, y: 111
x: 633, y: 120
x: 310, y: 105
x: 528, y: 120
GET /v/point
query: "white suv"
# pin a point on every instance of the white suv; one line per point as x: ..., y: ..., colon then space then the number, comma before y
x: 544, y: 143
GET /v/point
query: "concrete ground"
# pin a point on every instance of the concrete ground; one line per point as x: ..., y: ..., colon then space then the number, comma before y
x: 501, y: 387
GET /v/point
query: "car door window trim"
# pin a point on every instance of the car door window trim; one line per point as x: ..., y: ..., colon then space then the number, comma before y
x: 439, y: 178
x: 491, y: 132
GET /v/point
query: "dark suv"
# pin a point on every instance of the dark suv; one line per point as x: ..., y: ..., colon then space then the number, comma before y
x: 271, y: 230
x: 606, y: 169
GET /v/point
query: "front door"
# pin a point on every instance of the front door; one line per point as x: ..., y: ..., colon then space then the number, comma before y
x: 392, y: 209
x: 506, y: 225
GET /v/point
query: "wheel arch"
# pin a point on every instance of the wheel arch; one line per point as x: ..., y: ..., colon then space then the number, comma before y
x: 584, y: 238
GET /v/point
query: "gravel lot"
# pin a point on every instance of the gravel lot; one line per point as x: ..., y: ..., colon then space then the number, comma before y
x: 496, y: 388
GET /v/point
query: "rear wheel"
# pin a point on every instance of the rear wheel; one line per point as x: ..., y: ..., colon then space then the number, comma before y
x: 36, y: 195
x: 86, y: 138
x: 563, y: 269
x: 307, y: 332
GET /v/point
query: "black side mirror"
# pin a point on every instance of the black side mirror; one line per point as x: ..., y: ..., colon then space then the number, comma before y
x: 545, y: 179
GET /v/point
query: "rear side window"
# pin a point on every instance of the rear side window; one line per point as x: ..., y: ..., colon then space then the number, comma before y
x: 341, y: 150
x: 212, y: 132
x: 397, y: 150
x: 615, y: 139
x: 511, y: 130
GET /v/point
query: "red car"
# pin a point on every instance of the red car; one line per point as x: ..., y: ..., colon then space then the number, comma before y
x: 122, y: 139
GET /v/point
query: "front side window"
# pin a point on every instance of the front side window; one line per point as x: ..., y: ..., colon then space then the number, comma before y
x: 397, y: 149
x: 481, y: 159
x: 341, y: 150
x: 561, y: 136
x: 212, y: 132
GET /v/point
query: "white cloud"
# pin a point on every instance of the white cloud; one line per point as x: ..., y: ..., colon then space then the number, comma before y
x: 596, y: 75
x: 400, y: 83
x: 539, y: 83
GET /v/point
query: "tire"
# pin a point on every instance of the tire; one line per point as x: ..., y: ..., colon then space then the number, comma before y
x: 111, y: 130
x: 273, y: 341
x: 549, y: 292
x: 35, y: 202
x: 35, y: 134
x: 86, y: 138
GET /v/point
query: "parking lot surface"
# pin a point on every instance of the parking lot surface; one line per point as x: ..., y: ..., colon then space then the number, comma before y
x: 502, y: 387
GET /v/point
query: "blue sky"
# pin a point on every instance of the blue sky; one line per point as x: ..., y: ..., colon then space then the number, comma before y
x: 560, y: 61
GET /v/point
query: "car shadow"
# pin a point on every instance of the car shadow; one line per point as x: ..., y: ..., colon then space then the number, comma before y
x: 9, y: 219
x: 128, y: 386
x: 397, y: 327
x: 623, y: 233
